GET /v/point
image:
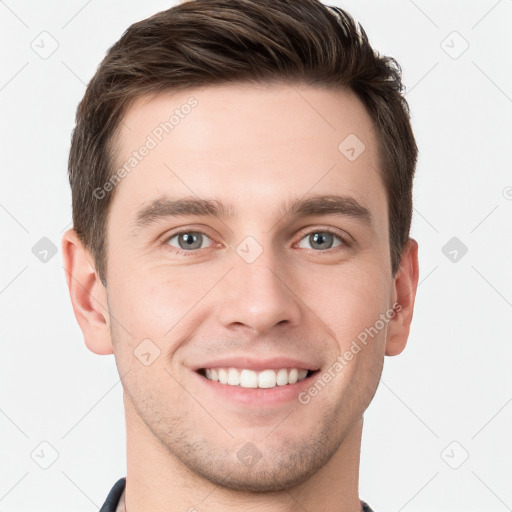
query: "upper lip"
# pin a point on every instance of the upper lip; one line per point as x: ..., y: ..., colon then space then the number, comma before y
x: 257, y: 364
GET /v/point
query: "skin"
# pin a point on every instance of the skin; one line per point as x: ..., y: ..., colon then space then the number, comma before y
x: 255, y: 147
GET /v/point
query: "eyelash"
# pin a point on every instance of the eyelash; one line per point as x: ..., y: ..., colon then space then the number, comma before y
x: 345, y: 243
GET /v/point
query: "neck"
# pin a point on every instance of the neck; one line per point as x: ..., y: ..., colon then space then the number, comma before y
x: 157, y: 481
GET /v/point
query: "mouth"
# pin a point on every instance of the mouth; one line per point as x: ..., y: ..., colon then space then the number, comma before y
x: 251, y: 379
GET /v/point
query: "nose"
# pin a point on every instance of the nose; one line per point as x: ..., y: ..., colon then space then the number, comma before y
x: 259, y: 295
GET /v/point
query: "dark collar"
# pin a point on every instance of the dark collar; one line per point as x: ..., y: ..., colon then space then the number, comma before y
x: 112, y: 500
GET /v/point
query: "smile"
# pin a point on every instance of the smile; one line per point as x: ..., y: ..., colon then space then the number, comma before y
x: 246, y: 378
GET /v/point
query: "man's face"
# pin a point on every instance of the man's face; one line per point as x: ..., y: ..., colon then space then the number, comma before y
x: 258, y: 289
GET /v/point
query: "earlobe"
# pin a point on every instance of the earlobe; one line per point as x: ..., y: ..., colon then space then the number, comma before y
x: 87, y: 293
x: 406, y: 283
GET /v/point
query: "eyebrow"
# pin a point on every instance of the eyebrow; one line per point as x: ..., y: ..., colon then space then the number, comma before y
x: 313, y: 205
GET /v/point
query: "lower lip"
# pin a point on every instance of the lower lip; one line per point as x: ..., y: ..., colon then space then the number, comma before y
x: 265, y: 397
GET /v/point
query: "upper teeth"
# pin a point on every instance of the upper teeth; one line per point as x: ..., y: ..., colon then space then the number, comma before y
x: 251, y: 379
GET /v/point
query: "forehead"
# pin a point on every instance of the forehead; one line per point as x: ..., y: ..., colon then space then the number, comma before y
x: 251, y: 144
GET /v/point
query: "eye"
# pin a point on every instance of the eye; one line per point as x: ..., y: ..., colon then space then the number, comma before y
x: 189, y: 241
x: 323, y: 240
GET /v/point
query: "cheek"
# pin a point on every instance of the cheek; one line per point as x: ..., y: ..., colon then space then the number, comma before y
x: 153, y: 302
x: 350, y: 301
x: 353, y: 308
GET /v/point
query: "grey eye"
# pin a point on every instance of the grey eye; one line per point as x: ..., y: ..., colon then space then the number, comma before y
x: 190, y: 240
x: 321, y: 240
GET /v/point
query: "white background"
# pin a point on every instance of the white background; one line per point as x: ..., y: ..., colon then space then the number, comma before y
x: 448, y: 396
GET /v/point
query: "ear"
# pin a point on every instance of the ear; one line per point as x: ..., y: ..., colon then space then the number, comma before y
x: 88, y: 295
x: 405, y: 285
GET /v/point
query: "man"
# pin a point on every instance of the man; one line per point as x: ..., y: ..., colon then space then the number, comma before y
x: 241, y: 173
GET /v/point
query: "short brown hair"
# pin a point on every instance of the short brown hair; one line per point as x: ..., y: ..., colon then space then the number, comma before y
x: 208, y: 42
